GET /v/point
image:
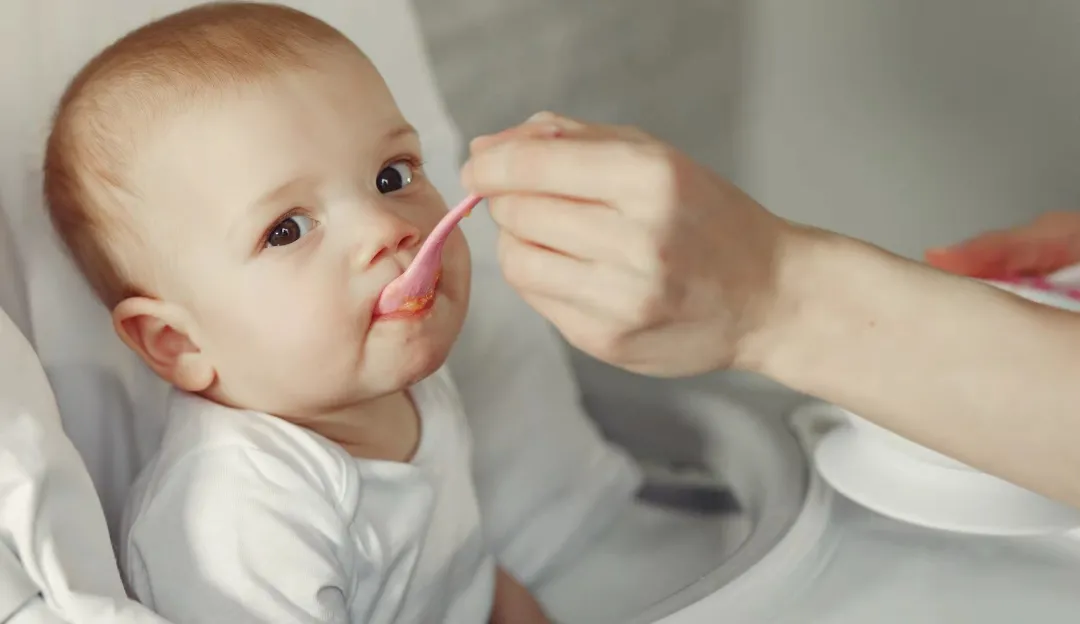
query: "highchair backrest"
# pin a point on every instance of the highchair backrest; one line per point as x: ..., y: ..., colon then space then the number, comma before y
x: 12, y: 283
x: 55, y: 556
x: 513, y: 375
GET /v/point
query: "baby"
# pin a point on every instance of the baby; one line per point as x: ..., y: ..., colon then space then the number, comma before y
x: 237, y: 184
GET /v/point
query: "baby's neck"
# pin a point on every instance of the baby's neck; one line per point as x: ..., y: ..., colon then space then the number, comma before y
x: 386, y: 428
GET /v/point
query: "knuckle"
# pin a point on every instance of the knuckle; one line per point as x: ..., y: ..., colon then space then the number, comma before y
x: 518, y: 161
x: 650, y: 306
x: 513, y: 262
x: 601, y: 344
x: 508, y: 164
x: 663, y: 285
x: 656, y: 250
x: 658, y: 170
x: 500, y: 213
x: 507, y: 213
x: 633, y: 133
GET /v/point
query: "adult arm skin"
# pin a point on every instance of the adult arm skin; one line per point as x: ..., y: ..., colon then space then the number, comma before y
x: 961, y: 367
x: 646, y: 260
x: 513, y: 603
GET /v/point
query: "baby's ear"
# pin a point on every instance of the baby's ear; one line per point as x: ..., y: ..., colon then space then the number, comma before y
x: 160, y: 333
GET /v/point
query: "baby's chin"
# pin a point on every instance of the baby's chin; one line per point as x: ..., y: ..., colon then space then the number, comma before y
x: 402, y: 378
x: 396, y: 367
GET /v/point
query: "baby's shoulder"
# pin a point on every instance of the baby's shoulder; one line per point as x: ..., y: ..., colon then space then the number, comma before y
x: 208, y: 441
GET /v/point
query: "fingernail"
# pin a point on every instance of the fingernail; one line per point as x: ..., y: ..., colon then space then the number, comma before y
x: 553, y: 131
x: 542, y: 116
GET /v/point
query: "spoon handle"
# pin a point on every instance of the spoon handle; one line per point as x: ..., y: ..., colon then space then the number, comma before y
x: 446, y: 225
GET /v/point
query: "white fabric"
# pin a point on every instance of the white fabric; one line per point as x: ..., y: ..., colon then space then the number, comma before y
x: 36, y: 611
x: 243, y: 517
x: 54, y: 548
x: 535, y: 431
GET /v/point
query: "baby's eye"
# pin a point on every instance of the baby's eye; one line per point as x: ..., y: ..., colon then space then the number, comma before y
x: 394, y: 177
x: 289, y: 231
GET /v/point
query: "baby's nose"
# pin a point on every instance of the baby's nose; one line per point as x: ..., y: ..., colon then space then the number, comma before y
x: 393, y: 236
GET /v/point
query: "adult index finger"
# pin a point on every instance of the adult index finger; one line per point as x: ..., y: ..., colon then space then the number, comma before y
x: 550, y: 125
x: 614, y: 172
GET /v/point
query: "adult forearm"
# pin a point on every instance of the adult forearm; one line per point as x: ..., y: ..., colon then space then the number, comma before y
x: 513, y: 603
x: 961, y: 367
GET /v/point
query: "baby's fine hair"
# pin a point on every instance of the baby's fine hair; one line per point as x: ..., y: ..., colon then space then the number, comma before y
x: 118, y: 95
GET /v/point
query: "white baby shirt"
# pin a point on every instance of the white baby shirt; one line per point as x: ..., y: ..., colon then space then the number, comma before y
x: 243, y: 517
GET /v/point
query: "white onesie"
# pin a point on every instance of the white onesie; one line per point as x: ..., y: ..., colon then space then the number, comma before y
x: 243, y: 517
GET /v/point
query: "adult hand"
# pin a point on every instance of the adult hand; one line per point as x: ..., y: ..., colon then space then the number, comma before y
x: 650, y: 262
x: 638, y: 255
x: 1037, y: 249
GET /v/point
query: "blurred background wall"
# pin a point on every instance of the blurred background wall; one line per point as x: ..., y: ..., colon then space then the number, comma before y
x: 907, y: 122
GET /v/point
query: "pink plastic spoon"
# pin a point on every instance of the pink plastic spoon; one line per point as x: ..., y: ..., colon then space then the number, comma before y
x: 412, y: 290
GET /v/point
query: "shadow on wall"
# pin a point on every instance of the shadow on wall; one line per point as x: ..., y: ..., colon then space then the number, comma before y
x: 669, y: 67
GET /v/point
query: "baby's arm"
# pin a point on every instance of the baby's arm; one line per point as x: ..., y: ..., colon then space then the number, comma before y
x: 513, y: 603
x: 238, y: 536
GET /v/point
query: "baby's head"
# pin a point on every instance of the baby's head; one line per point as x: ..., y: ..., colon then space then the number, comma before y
x: 237, y: 184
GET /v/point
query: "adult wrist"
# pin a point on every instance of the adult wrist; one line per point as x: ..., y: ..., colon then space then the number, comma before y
x: 798, y: 311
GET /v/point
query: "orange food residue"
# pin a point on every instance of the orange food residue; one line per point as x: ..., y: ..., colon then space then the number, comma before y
x: 415, y: 304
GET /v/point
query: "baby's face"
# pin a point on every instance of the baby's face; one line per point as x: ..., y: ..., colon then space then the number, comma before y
x: 275, y: 217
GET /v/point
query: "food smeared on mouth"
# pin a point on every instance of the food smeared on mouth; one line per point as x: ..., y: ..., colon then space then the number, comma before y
x: 413, y: 305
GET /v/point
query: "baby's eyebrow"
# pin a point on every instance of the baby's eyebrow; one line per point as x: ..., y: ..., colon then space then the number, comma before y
x: 293, y: 185
x: 269, y: 199
x: 401, y: 131
x: 289, y: 187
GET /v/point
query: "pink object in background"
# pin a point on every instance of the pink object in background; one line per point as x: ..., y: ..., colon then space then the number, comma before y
x: 1046, y: 284
x: 1064, y: 282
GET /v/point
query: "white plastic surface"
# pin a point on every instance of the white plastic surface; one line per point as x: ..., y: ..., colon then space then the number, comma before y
x: 837, y: 563
x: 887, y: 572
x: 857, y: 566
x: 927, y: 494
